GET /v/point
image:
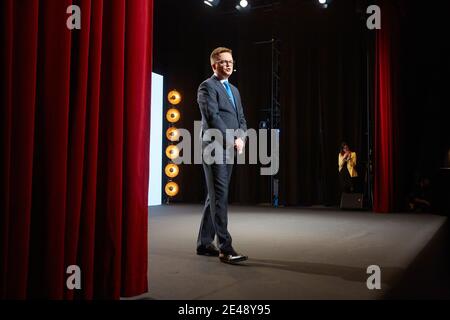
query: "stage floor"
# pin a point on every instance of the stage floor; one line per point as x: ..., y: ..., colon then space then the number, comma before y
x: 294, y: 253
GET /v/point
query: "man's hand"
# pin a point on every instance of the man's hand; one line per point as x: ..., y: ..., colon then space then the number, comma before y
x: 239, y: 144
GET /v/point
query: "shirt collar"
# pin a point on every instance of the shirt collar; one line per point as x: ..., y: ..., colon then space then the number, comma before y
x: 221, y: 81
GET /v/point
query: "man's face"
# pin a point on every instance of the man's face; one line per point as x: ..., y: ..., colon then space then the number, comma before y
x: 223, y: 66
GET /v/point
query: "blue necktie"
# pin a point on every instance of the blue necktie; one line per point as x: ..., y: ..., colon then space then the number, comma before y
x: 230, y: 94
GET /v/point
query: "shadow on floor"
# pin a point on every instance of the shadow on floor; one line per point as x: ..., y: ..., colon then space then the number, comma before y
x: 389, y: 275
x: 428, y: 276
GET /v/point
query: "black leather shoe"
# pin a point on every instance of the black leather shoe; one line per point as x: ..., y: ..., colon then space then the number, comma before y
x: 210, y: 251
x: 231, y: 257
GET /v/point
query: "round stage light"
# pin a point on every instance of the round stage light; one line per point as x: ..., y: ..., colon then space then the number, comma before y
x: 172, y: 134
x: 174, y: 97
x: 172, y: 152
x: 173, y: 115
x: 171, y: 189
x: 171, y: 170
x: 243, y: 5
x: 263, y: 124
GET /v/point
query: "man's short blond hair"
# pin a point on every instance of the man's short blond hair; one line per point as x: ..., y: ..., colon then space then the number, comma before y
x: 215, y: 53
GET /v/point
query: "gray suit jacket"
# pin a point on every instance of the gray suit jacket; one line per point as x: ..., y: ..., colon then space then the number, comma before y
x: 217, y: 109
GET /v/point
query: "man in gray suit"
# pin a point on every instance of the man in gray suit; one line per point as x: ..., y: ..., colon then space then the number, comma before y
x: 221, y: 108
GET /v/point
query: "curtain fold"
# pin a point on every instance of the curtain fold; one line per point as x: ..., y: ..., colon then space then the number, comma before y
x: 75, y: 111
x: 386, y: 105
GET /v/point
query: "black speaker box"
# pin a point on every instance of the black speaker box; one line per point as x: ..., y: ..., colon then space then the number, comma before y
x: 352, y: 201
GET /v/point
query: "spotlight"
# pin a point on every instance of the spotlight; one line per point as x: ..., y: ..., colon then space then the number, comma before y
x: 324, y: 3
x: 211, y: 3
x: 172, y: 170
x: 171, y: 189
x: 173, y: 115
x: 263, y: 124
x: 172, y: 152
x: 243, y: 5
x: 174, y: 97
x: 172, y: 134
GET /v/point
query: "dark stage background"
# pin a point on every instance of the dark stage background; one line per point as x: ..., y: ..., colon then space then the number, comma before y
x: 424, y: 118
x: 324, y: 89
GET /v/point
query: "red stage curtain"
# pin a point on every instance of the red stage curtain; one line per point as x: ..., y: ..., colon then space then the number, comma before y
x: 75, y: 109
x: 386, y: 105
